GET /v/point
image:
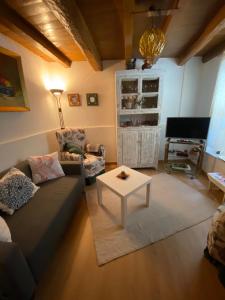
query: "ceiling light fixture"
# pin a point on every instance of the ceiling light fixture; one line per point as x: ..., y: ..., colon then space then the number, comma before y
x: 151, y: 43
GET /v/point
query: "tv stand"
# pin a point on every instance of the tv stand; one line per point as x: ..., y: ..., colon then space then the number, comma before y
x: 198, y: 148
x: 185, y: 141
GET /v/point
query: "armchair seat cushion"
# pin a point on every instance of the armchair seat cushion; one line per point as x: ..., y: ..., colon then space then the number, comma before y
x: 65, y: 155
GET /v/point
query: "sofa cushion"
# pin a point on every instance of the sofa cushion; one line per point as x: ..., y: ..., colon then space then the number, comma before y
x: 38, y: 226
x: 45, y: 167
x: 16, y: 189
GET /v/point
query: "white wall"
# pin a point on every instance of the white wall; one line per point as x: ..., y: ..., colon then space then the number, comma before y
x: 204, y: 107
x: 42, y: 116
x: 180, y: 84
x: 191, y: 82
x: 212, y: 104
x: 98, y: 121
x: 208, y: 75
x: 216, y: 142
x: 19, y: 149
x: 16, y: 127
x: 82, y: 79
x: 32, y: 133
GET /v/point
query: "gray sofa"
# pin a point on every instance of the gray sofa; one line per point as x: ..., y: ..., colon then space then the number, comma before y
x: 36, y: 230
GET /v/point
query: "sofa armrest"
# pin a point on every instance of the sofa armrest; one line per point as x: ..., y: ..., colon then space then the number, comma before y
x: 72, y: 168
x: 16, y: 279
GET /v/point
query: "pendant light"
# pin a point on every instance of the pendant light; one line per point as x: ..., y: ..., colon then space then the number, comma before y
x: 151, y: 44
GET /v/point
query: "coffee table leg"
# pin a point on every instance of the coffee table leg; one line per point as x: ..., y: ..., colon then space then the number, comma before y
x: 123, y: 211
x: 99, y: 191
x: 147, y: 194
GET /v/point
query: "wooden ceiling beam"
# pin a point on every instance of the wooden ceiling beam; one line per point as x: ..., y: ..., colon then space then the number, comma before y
x: 215, y: 51
x: 216, y: 24
x: 125, y: 10
x: 167, y: 20
x: 9, y: 15
x: 69, y: 15
x: 128, y: 28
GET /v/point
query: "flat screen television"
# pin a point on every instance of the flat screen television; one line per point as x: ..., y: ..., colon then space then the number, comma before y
x: 187, y: 128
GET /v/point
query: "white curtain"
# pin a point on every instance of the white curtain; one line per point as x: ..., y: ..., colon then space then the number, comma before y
x: 216, y: 135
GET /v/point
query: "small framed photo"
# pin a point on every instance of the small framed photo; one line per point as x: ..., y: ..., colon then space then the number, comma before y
x: 74, y: 99
x: 92, y: 99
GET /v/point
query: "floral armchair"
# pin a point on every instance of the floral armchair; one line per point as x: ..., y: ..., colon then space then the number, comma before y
x: 94, y: 160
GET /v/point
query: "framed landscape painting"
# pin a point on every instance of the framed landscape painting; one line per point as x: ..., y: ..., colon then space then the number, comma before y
x: 12, y: 88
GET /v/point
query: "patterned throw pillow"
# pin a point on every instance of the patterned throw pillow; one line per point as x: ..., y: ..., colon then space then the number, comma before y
x: 16, y: 189
x: 5, y: 235
x: 45, y: 167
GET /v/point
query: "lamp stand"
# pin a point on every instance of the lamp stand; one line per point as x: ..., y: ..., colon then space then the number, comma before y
x: 61, y: 119
x: 57, y: 94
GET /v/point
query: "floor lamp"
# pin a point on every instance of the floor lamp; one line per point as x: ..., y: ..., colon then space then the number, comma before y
x: 57, y: 93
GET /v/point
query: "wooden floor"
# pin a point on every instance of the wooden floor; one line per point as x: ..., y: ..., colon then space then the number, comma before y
x: 172, y: 269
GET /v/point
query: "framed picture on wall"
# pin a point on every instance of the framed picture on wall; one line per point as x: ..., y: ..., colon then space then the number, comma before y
x: 12, y: 87
x: 92, y: 99
x: 74, y: 99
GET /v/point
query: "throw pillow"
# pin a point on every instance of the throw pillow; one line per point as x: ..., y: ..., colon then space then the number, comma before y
x: 74, y: 148
x: 45, y: 167
x: 15, y: 190
x: 5, y: 235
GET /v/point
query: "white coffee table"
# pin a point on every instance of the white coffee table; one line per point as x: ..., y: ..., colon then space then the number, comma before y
x: 123, y: 188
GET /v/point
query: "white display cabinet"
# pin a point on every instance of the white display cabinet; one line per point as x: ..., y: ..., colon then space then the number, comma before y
x: 138, y: 117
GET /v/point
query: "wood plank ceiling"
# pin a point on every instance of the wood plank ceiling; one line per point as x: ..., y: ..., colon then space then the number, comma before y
x: 95, y: 30
x: 38, y: 14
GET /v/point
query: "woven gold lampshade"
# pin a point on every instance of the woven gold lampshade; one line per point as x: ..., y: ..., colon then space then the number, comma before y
x: 151, y: 44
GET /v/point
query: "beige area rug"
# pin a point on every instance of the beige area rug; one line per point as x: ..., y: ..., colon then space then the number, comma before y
x: 174, y: 206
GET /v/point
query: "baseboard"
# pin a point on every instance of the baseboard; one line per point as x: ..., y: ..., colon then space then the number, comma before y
x: 111, y: 163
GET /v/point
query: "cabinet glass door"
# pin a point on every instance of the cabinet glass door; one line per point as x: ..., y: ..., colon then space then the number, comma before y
x: 129, y: 86
x: 149, y: 102
x: 150, y: 85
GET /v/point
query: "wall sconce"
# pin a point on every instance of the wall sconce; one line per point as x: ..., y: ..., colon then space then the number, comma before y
x: 57, y: 93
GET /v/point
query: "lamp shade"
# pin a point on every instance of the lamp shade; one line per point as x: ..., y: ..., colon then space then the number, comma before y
x: 56, y: 92
x: 151, y: 43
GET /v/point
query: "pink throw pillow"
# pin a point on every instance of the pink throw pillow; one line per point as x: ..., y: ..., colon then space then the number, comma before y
x: 45, y: 167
